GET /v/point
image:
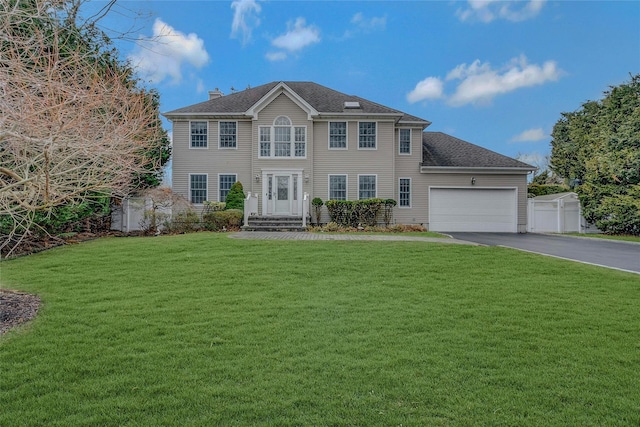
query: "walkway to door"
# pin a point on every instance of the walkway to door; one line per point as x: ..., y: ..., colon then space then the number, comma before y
x: 292, y: 235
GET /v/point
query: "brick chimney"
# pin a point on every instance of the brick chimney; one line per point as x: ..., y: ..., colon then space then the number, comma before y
x: 213, y: 94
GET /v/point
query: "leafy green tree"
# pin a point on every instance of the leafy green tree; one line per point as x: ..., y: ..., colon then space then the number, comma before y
x: 597, y: 150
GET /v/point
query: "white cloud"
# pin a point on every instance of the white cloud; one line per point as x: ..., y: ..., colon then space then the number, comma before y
x: 364, y: 25
x: 489, y: 10
x: 276, y: 56
x: 298, y: 36
x: 429, y: 88
x: 245, y: 18
x: 164, y: 53
x: 369, y: 24
x: 530, y: 135
x: 480, y: 83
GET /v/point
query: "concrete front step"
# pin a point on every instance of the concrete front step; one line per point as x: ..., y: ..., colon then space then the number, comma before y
x: 274, y: 223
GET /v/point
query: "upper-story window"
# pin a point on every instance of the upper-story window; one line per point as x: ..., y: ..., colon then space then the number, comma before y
x: 283, y: 140
x: 405, y: 141
x: 337, y: 135
x: 228, y: 135
x: 199, y: 131
x: 367, y: 135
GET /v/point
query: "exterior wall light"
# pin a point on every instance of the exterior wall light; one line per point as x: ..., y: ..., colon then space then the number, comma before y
x: 257, y: 177
x: 473, y: 180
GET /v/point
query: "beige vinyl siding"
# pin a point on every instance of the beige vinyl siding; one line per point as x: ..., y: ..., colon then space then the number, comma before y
x: 408, y: 166
x: 282, y: 105
x: 353, y: 162
x: 463, y: 180
x: 212, y: 160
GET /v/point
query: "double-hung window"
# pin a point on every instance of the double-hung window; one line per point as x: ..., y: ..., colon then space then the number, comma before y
x: 283, y: 140
x: 225, y: 181
x: 367, y: 135
x: 367, y: 186
x: 337, y: 135
x: 198, y: 134
x: 404, y: 193
x: 228, y: 135
x: 405, y: 141
x: 337, y: 187
x: 198, y: 188
x: 265, y: 141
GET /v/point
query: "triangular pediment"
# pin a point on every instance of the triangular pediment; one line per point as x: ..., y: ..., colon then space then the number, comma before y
x: 281, y: 89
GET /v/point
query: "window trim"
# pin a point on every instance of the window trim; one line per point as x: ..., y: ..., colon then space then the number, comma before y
x: 376, y: 184
x: 346, y: 185
x: 206, y: 147
x: 292, y: 141
x: 400, y: 153
x: 346, y: 135
x: 375, y: 142
x: 228, y: 174
x: 206, y: 191
x: 410, y: 192
x: 235, y: 147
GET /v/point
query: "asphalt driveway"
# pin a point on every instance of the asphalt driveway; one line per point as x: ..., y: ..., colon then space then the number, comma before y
x: 605, y: 253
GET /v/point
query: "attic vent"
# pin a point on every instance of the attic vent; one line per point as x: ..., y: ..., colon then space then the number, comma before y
x: 351, y: 104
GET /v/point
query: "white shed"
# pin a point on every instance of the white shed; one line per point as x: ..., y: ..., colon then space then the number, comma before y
x: 557, y: 213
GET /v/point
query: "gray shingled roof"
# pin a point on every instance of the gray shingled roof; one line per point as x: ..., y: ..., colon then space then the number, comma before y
x: 440, y: 149
x: 321, y: 98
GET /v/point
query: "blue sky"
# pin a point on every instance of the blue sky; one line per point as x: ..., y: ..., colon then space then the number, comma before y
x: 497, y: 74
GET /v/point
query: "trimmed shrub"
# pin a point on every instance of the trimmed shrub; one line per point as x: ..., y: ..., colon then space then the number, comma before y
x: 235, y: 197
x: 230, y: 219
x: 535, y: 190
x: 183, y: 222
x: 354, y: 213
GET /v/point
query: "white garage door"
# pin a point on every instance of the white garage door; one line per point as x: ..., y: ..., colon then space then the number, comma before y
x: 477, y: 209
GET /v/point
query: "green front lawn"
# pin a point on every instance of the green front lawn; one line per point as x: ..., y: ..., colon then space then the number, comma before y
x: 205, y: 330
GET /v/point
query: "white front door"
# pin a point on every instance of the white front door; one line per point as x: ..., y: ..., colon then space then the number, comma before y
x: 282, y: 190
x: 282, y: 195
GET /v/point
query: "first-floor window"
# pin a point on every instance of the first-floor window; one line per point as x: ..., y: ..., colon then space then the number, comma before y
x: 404, y: 193
x: 337, y: 187
x: 198, y: 188
x: 224, y: 185
x: 366, y: 186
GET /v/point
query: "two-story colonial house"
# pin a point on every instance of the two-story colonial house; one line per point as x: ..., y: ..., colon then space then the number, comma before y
x: 283, y: 140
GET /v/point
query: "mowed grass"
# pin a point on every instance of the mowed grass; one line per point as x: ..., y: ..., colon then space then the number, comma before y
x: 206, y: 330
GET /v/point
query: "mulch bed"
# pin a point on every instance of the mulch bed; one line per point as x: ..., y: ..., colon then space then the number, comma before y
x: 16, y: 308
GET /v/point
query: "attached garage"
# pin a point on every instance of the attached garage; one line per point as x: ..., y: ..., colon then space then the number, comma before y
x: 473, y: 209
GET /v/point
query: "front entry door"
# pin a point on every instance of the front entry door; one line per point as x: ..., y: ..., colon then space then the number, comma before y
x: 282, y: 192
x: 282, y: 199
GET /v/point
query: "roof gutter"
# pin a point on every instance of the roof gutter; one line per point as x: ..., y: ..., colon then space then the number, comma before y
x: 477, y: 170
